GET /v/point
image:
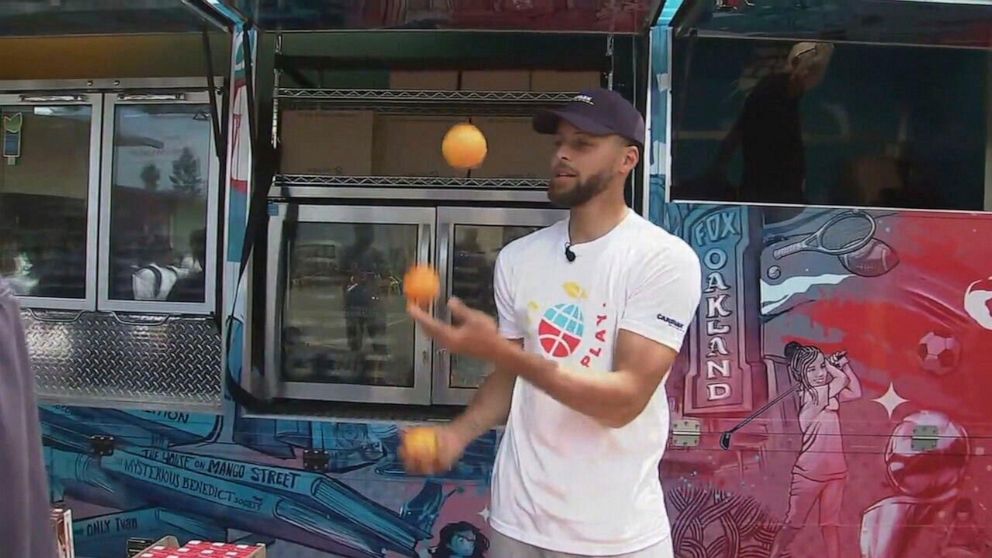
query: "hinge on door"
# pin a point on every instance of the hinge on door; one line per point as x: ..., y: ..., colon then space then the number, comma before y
x: 102, y: 446
x: 686, y: 433
x: 925, y: 438
x: 316, y: 460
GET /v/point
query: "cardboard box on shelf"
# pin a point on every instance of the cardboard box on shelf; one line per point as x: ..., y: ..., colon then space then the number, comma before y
x: 571, y: 82
x: 428, y: 80
x: 411, y: 146
x: 496, y: 80
x: 515, y: 149
x: 324, y: 142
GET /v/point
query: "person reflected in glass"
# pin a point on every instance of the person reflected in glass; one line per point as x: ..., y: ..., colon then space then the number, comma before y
x: 190, y: 288
x: 157, y: 275
x: 769, y: 130
x: 470, y: 268
x: 367, y: 276
x: 16, y: 264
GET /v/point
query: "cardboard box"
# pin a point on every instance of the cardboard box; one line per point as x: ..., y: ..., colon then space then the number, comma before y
x: 62, y: 524
x: 424, y: 81
x: 203, y: 549
x: 411, y: 146
x: 570, y: 82
x: 496, y: 80
x: 326, y: 142
x: 164, y: 548
x: 515, y: 149
x: 169, y: 548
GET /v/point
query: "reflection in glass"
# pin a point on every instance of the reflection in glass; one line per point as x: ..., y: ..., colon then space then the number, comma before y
x: 769, y: 128
x: 344, y: 319
x: 161, y: 168
x: 43, y: 199
x: 777, y: 122
x: 472, y: 265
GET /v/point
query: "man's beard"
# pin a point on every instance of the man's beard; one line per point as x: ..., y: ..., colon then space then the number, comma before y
x: 582, y: 192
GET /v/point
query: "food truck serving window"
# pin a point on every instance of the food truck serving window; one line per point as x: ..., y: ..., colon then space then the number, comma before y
x: 49, y: 180
x: 159, y: 189
x: 105, y: 201
x: 815, y: 123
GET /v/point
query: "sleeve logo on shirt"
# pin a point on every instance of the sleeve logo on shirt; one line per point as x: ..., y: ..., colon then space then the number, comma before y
x: 674, y: 323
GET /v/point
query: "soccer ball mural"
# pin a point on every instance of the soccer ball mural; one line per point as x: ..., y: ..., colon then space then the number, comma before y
x: 939, y: 352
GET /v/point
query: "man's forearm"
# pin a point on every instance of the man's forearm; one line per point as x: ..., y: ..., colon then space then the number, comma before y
x: 609, y: 397
x: 489, y: 407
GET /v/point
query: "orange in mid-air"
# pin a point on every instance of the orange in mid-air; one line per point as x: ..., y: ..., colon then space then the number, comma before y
x: 464, y: 146
x: 420, y: 445
x: 421, y: 285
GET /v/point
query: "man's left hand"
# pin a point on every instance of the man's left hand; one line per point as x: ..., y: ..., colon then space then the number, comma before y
x: 473, y: 333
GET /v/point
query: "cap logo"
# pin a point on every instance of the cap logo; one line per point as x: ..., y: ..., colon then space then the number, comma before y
x: 584, y: 99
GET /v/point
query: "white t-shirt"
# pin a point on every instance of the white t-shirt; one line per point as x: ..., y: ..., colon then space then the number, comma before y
x: 562, y: 481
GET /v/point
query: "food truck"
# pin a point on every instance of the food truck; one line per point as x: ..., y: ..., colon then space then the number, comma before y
x: 211, y: 204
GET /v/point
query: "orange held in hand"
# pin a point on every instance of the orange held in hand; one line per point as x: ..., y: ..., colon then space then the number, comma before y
x: 464, y: 146
x: 421, y: 285
x: 419, y: 448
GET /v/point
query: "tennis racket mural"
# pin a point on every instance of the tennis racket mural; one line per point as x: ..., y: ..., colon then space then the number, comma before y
x: 851, y: 237
x: 843, y: 234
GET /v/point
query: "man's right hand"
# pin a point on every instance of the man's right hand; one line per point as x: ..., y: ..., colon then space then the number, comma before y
x: 451, y: 444
x: 489, y: 408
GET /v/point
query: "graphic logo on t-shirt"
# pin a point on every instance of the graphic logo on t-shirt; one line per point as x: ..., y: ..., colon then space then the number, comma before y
x: 562, y: 327
x: 672, y: 322
x: 560, y: 330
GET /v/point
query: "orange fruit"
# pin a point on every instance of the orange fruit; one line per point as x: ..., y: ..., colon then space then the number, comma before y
x: 421, y: 285
x: 420, y: 445
x: 464, y: 146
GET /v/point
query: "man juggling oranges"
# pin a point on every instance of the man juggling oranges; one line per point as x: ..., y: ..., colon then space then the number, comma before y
x: 576, y: 472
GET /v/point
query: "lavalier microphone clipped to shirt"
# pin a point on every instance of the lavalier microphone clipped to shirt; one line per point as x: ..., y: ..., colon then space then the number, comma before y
x: 569, y: 254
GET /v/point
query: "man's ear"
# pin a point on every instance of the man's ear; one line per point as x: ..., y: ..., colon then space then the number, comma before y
x: 631, y: 156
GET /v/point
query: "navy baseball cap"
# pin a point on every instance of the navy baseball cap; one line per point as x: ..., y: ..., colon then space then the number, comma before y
x: 600, y: 112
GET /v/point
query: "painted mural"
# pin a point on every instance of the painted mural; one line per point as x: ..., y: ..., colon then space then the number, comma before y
x: 858, y: 426
x: 184, y: 474
x: 830, y: 402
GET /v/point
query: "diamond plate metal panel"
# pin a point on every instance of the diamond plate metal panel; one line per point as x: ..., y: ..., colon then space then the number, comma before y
x: 150, y: 360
